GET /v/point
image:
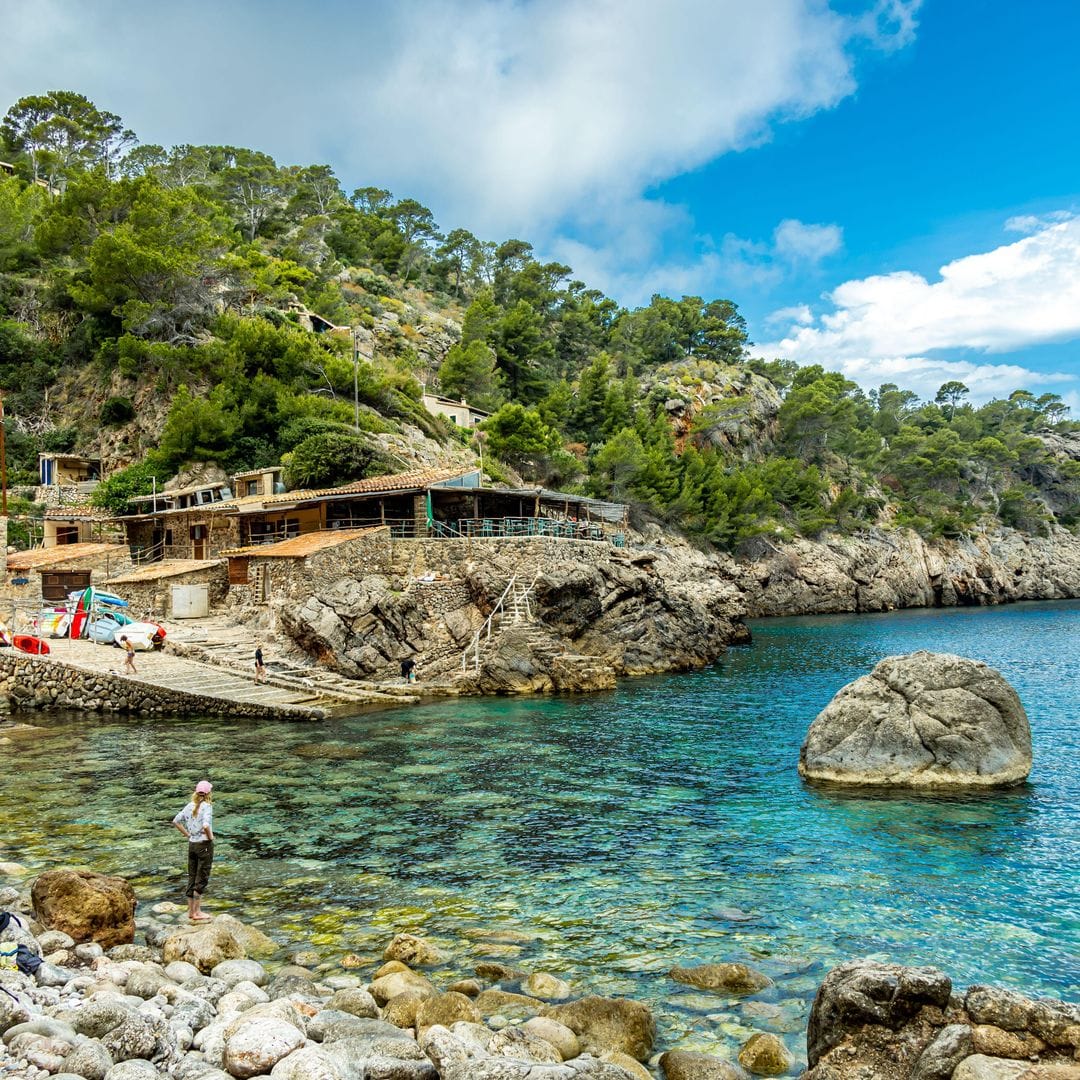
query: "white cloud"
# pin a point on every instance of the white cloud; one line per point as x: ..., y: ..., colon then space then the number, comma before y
x: 799, y: 242
x: 888, y: 327
x: 509, y: 117
x: 740, y: 263
x: 1031, y: 223
x: 797, y: 315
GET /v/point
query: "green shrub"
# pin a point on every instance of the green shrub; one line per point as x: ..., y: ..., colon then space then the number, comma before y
x: 331, y: 458
x: 117, y: 411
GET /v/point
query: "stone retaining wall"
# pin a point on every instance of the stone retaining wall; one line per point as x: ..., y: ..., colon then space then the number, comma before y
x: 40, y: 683
x: 408, y: 560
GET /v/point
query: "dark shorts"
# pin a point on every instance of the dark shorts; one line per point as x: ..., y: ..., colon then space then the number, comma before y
x: 199, y: 860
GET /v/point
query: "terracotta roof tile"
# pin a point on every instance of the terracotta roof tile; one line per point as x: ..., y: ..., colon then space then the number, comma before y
x: 299, y: 547
x: 373, y: 485
x: 405, y: 481
x: 37, y: 558
x: 165, y: 569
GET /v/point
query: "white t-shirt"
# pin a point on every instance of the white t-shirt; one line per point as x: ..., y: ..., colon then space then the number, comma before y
x: 195, y: 824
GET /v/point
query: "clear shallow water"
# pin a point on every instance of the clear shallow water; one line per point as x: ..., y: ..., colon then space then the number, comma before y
x: 624, y: 833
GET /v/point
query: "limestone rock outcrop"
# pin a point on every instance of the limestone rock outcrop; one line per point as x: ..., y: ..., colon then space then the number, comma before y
x: 921, y: 720
x: 883, y: 569
x: 595, y: 611
x: 905, y: 1023
x: 86, y: 906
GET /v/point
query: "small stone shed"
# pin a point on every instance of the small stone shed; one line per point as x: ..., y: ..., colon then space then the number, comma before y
x: 51, y: 573
x: 148, y: 589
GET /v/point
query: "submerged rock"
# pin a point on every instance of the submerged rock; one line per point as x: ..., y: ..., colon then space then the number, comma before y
x: 765, y: 1055
x: 921, y: 720
x: 412, y: 951
x: 730, y: 978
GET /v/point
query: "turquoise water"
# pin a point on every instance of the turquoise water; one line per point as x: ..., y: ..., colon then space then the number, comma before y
x: 621, y: 834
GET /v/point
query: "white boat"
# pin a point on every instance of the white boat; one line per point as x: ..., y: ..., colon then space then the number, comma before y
x: 143, y: 635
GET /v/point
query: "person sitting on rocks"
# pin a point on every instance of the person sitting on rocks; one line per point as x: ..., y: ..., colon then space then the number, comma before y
x: 408, y: 669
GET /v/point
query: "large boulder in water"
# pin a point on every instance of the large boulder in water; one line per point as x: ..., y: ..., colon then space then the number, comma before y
x: 921, y: 720
x: 86, y: 906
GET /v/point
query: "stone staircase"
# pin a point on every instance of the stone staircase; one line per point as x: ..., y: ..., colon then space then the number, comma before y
x: 569, y: 671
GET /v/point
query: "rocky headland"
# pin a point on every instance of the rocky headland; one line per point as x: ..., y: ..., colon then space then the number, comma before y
x: 887, y: 569
x: 595, y: 612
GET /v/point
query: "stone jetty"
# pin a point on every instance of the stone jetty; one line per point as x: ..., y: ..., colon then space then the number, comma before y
x: 83, y: 675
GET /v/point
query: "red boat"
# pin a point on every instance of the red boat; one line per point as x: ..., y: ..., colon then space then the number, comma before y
x: 30, y: 644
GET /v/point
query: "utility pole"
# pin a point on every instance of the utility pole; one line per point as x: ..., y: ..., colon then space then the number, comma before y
x: 3, y: 486
x: 356, y: 377
x: 3, y: 463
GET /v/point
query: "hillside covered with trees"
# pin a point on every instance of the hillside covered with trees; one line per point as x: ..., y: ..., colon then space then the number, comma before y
x: 131, y: 271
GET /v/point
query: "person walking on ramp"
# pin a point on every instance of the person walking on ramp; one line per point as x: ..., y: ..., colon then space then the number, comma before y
x: 196, y: 822
x: 129, y: 656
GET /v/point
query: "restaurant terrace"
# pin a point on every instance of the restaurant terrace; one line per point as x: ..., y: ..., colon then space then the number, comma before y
x: 430, y: 503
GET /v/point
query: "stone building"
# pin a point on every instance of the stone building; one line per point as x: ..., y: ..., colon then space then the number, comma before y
x: 51, y: 573
x: 460, y: 412
x: 66, y: 479
x: 203, y: 523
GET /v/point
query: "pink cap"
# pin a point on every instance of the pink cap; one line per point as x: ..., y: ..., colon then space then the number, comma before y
x: 204, y: 787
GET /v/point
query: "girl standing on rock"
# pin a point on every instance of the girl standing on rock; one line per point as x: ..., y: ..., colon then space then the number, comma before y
x: 196, y: 822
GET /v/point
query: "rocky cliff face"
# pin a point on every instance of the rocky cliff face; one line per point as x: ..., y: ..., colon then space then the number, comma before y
x: 638, y: 614
x: 884, y: 569
x: 594, y: 612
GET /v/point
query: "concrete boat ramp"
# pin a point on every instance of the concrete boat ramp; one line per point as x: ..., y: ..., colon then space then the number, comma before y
x: 82, y: 674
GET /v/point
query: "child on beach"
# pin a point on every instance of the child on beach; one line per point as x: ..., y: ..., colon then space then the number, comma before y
x: 196, y: 822
x: 129, y: 656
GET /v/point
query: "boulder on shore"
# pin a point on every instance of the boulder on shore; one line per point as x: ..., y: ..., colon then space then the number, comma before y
x: 602, y: 1023
x: 204, y: 946
x: 921, y: 720
x: 86, y: 906
x: 905, y: 1023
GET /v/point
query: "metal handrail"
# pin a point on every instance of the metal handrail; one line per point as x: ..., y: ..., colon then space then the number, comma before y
x: 485, y: 630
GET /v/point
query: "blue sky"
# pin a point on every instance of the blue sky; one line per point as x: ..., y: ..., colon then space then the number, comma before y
x: 888, y: 187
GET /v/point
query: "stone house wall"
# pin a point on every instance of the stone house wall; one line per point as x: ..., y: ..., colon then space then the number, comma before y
x: 101, y: 565
x: 222, y: 531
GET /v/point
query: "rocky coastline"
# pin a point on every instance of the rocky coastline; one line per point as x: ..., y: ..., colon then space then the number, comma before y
x: 125, y: 997
x: 661, y: 604
x: 888, y: 569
